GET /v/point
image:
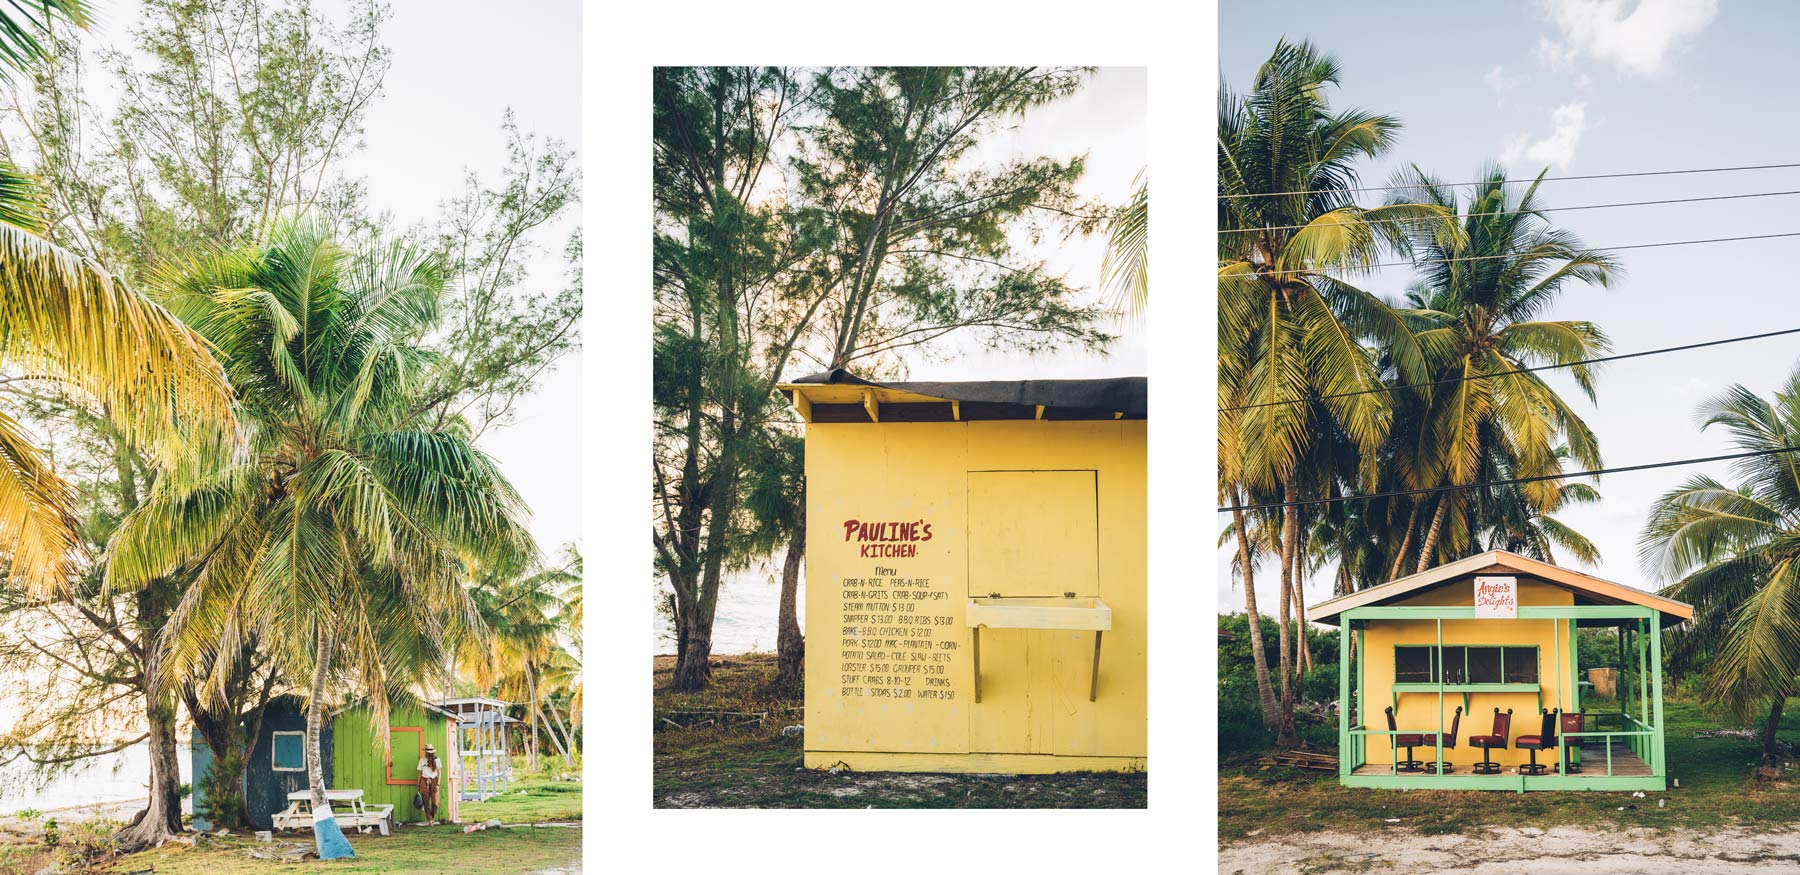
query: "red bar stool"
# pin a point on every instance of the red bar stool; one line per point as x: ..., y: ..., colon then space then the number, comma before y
x: 1487, y: 743
x: 1570, y: 722
x: 1430, y: 739
x: 1408, y: 741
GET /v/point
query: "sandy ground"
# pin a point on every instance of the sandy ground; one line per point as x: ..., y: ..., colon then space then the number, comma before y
x: 1559, y: 851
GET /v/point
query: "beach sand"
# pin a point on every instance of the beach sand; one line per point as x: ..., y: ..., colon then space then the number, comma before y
x: 1557, y: 851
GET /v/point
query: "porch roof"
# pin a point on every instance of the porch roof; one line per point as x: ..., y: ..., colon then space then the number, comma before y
x: 1587, y: 587
x: 840, y: 396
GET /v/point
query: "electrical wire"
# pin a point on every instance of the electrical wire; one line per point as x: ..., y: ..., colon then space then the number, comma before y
x: 1593, y: 361
x: 1305, y: 502
x: 1679, y: 200
x: 1271, y: 273
x: 1631, y: 175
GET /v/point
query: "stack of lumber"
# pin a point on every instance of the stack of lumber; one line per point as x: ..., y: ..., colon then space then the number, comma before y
x: 1302, y: 759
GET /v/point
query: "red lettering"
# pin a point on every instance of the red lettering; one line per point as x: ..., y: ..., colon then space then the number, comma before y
x: 849, y: 528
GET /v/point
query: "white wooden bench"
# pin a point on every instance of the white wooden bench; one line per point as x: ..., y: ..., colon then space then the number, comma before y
x: 298, y: 814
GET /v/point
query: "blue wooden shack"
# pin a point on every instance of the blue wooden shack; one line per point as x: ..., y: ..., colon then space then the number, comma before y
x: 277, y: 762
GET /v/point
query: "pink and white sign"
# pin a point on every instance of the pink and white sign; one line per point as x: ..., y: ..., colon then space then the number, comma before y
x: 1496, y: 598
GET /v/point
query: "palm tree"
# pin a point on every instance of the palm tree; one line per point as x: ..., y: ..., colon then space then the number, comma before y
x: 66, y: 321
x: 1290, y: 326
x: 1734, y: 553
x: 337, y: 536
x: 522, y: 612
x: 1476, y: 313
x: 1126, y: 269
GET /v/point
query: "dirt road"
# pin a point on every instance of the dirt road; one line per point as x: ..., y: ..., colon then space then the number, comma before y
x: 1558, y: 851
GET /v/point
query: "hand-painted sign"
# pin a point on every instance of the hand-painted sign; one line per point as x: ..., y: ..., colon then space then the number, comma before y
x: 887, y: 540
x: 1496, y: 598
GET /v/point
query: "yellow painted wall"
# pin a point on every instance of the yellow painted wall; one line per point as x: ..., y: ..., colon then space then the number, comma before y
x: 1418, y: 712
x: 889, y: 673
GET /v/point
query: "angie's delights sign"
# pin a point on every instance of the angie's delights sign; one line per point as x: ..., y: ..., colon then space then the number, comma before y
x: 1496, y: 598
x: 887, y: 540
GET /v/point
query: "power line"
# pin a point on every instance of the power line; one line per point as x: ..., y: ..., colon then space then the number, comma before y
x: 1641, y: 173
x: 1534, y: 368
x: 1515, y: 481
x: 1270, y: 273
x: 1679, y: 200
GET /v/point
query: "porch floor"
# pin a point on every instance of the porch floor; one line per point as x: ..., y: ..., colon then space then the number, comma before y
x: 1625, y: 764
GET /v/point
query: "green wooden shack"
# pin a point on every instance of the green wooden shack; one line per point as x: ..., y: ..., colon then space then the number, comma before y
x: 358, y: 762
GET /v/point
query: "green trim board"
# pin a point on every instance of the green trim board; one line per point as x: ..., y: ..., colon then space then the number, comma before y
x: 1526, y: 612
x: 1516, y: 783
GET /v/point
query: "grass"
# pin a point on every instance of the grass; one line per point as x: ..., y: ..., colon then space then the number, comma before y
x: 518, y: 850
x: 746, y: 762
x: 409, y: 851
x: 1716, y: 791
x: 533, y: 799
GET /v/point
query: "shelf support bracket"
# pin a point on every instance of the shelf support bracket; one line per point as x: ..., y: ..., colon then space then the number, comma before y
x: 1094, y: 678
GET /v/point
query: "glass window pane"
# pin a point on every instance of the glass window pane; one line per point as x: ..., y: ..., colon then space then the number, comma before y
x: 288, y: 751
x: 1454, y: 672
x: 1412, y: 665
x: 1484, y: 665
x: 1521, y: 665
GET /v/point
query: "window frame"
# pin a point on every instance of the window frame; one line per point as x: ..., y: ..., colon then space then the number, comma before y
x: 274, y: 747
x: 1437, y: 672
x: 392, y: 730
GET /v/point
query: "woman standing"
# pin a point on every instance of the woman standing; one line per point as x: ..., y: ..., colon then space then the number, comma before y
x: 428, y: 785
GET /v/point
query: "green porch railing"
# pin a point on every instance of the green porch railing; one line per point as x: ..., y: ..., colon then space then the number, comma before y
x: 1639, y: 693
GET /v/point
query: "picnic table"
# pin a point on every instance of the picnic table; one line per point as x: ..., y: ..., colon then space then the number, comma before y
x: 298, y: 814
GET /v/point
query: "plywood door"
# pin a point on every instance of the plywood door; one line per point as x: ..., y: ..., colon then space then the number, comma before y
x: 1033, y: 533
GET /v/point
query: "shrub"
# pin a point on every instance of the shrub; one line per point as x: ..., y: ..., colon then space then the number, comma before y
x: 222, y: 805
x: 85, y: 843
x: 1240, y: 713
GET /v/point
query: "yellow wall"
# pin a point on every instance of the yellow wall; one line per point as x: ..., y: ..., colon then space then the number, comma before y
x: 1418, y: 712
x: 889, y: 673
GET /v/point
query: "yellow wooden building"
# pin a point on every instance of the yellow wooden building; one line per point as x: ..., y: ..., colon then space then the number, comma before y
x: 1476, y: 658
x: 975, y: 574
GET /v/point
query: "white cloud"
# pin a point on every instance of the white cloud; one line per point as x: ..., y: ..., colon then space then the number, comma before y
x: 1567, y: 123
x: 1498, y: 82
x: 1636, y: 42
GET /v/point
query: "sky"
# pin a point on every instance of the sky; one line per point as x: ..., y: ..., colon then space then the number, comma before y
x: 1592, y: 87
x: 1107, y: 121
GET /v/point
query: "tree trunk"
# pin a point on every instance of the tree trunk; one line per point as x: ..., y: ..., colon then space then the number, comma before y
x: 1770, y: 756
x: 531, y: 751
x: 160, y: 819
x: 326, y: 834
x: 790, y: 644
x: 1431, y: 537
x: 1290, y: 536
x: 1412, y: 522
x: 681, y: 631
x: 1303, y: 651
x: 693, y: 671
x: 1301, y: 644
x: 1265, y: 690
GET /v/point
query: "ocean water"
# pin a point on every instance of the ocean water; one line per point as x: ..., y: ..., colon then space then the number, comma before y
x: 119, y: 777
x: 749, y: 604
